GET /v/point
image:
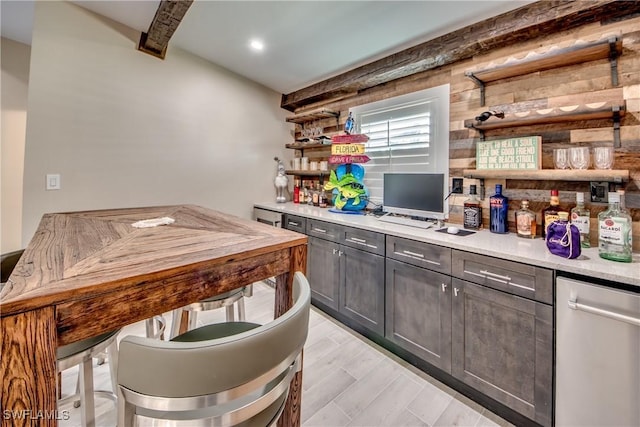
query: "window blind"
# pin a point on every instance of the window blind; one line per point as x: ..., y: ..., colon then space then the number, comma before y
x: 399, y: 141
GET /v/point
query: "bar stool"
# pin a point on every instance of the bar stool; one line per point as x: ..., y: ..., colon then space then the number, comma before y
x: 227, y: 300
x: 79, y: 353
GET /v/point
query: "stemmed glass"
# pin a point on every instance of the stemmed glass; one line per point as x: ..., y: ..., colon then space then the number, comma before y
x: 603, y: 157
x: 579, y: 157
x: 561, y: 158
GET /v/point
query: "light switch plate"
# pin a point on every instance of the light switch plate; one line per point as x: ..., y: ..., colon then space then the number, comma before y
x: 599, y: 192
x: 53, y: 181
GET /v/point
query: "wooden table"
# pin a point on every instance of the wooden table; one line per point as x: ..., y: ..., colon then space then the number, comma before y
x: 85, y: 273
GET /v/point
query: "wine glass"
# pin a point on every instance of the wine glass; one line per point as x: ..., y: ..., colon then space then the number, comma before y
x: 579, y: 157
x: 561, y: 158
x: 603, y: 157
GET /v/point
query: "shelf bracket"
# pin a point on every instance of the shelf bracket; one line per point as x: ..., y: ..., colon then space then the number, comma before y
x: 616, y: 126
x: 613, y: 60
x: 480, y: 83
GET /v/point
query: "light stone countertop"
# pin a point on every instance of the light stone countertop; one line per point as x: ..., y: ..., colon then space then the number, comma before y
x: 505, y: 246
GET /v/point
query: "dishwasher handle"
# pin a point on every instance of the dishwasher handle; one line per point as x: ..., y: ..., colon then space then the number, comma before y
x: 574, y: 305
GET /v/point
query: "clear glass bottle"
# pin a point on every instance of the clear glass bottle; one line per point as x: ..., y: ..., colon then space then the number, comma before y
x: 472, y: 214
x: 550, y: 213
x: 322, y: 197
x: 581, y: 218
x: 614, y: 232
x: 499, y: 206
x: 526, y: 225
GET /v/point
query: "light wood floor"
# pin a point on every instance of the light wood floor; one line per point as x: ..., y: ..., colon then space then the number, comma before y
x: 347, y: 381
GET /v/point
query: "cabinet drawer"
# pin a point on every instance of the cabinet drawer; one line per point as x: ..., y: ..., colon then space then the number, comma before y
x: 515, y: 278
x: 369, y: 241
x: 324, y: 230
x: 295, y: 223
x: 433, y: 257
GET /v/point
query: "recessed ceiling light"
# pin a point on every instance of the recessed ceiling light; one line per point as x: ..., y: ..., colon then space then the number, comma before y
x: 256, y: 44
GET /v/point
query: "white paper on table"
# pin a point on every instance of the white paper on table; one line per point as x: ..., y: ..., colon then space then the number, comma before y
x: 153, y: 222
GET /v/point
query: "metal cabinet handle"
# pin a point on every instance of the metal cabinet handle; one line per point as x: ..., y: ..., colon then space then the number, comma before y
x: 335, y: 251
x: 356, y: 240
x: 444, y: 287
x: 574, y: 305
x: 295, y: 224
x: 497, y: 276
x: 319, y: 230
x: 361, y: 242
x: 455, y: 291
x: 340, y: 253
x: 416, y: 255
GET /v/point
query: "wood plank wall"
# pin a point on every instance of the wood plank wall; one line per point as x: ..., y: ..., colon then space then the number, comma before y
x: 583, y: 83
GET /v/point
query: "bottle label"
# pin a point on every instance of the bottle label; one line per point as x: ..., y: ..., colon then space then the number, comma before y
x: 583, y: 223
x: 472, y: 216
x: 523, y: 224
x: 612, y: 230
x: 498, y: 214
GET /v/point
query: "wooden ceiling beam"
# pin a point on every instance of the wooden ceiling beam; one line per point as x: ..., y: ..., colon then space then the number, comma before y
x: 533, y: 20
x: 164, y: 24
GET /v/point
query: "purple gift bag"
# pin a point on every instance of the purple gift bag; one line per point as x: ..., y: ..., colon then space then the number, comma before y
x: 563, y: 239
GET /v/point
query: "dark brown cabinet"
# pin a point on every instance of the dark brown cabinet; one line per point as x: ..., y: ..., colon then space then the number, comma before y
x: 418, y: 312
x: 502, y: 346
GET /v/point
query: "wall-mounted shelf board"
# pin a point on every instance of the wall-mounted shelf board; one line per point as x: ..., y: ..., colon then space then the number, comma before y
x: 552, y: 58
x: 601, y: 110
x: 299, y: 146
x: 607, y: 175
x: 309, y: 116
x: 307, y: 173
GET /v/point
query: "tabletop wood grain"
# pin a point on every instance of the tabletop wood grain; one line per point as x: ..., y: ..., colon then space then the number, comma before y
x: 76, y: 255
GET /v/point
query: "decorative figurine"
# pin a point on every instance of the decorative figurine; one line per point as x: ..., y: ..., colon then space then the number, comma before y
x: 349, y: 124
x: 281, y: 182
x: 484, y: 116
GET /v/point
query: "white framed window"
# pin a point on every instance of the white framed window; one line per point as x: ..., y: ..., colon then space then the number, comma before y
x: 407, y: 133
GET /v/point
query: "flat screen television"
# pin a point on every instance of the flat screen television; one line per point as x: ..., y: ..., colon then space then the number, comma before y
x: 415, y: 194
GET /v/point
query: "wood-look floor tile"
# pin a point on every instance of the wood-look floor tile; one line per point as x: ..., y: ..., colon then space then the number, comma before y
x: 359, y: 395
x: 325, y: 391
x: 459, y: 415
x: 390, y: 404
x: 430, y: 403
x: 329, y: 416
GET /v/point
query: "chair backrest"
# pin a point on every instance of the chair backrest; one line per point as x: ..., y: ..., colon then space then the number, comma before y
x: 8, y: 262
x: 187, y: 369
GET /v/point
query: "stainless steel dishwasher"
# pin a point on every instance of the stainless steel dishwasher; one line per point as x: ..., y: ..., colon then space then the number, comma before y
x: 597, y: 355
x: 268, y: 217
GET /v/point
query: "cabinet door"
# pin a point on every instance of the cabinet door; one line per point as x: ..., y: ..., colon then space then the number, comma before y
x: 418, y: 312
x: 503, y: 347
x: 362, y: 288
x: 323, y: 271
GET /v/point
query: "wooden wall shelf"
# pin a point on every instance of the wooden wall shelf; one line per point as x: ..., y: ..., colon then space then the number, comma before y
x: 608, y: 175
x: 601, y: 110
x: 307, y: 173
x: 551, y: 58
x: 300, y: 146
x: 321, y: 113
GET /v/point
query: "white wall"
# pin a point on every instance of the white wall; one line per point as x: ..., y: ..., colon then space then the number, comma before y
x: 13, y: 104
x: 127, y: 129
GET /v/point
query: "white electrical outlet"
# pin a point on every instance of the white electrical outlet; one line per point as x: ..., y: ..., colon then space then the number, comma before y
x: 53, y: 181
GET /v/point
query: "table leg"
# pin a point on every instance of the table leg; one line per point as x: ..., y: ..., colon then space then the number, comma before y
x: 28, y: 369
x: 284, y: 300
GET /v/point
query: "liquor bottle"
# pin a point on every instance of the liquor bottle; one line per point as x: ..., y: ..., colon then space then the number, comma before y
x: 499, y: 206
x: 472, y: 210
x: 316, y: 196
x: 296, y: 192
x: 303, y: 190
x: 614, y: 231
x: 526, y: 225
x: 550, y: 213
x: 322, y: 198
x: 581, y: 218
